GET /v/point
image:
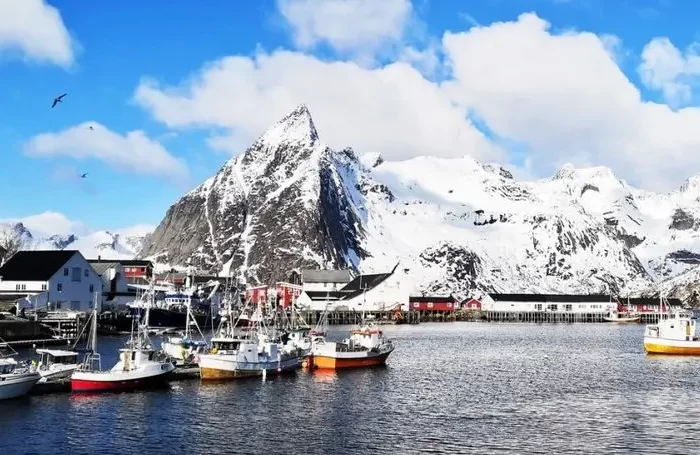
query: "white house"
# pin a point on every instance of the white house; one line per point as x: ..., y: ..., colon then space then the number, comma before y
x: 61, y: 280
x: 324, y: 280
x: 116, y: 292
x: 373, y: 292
x: 547, y: 303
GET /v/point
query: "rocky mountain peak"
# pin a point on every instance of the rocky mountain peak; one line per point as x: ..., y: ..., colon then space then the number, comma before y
x: 295, y: 127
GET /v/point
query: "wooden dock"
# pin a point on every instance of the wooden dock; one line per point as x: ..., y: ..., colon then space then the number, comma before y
x: 345, y: 317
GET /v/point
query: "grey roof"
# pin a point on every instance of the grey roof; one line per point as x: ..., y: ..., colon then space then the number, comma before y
x: 325, y: 276
x: 101, y: 267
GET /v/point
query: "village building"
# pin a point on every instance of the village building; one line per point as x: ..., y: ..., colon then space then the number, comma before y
x: 548, y: 303
x: 325, y: 280
x: 646, y: 304
x: 116, y: 292
x: 370, y: 292
x: 137, y: 271
x: 471, y: 304
x: 427, y: 303
x: 51, y: 279
x: 287, y: 293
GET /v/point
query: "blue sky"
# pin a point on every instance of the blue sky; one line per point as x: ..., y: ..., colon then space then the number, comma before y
x: 115, y: 48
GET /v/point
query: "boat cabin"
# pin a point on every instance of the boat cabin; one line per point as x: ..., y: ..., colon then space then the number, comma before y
x: 50, y: 357
x: 225, y: 346
x: 7, y: 366
x: 678, y: 325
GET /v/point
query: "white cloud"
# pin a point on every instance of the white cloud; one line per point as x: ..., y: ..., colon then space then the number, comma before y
x: 566, y: 98
x: 561, y: 96
x: 348, y: 26
x: 665, y: 68
x: 36, y: 30
x: 49, y: 223
x: 392, y: 110
x: 133, y: 152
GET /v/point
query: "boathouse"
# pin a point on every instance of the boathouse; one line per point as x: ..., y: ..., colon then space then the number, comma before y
x: 646, y: 304
x: 137, y: 271
x: 423, y: 303
x: 552, y: 303
x: 256, y: 295
x: 57, y: 279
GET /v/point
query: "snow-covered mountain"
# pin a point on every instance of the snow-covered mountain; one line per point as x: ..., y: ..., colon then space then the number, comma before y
x: 106, y: 244
x: 454, y: 225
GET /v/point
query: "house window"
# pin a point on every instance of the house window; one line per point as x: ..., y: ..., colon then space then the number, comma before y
x: 65, y: 271
x: 553, y: 307
x: 86, y: 273
x: 20, y: 287
x: 59, y: 287
x: 430, y: 304
x: 538, y: 307
x: 43, y: 287
x: 76, y: 274
x: 92, y: 288
x: 568, y: 307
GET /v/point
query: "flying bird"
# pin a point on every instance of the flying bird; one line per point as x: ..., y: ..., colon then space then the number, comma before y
x: 92, y: 128
x: 58, y: 99
x: 84, y: 175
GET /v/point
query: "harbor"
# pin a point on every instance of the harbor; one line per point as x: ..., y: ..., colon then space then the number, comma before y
x: 474, y: 376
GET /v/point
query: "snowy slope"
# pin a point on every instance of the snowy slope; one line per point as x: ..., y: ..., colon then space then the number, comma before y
x: 454, y: 225
x: 106, y: 244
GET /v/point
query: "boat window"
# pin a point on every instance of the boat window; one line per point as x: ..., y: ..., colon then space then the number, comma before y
x: 133, y: 355
x: 150, y: 355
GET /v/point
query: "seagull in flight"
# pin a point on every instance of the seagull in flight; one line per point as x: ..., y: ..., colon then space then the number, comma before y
x: 58, y: 99
x: 84, y: 175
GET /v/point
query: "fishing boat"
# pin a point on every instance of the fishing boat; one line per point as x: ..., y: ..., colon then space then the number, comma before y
x: 674, y: 333
x: 139, y: 365
x: 184, y: 347
x: 254, y: 353
x: 56, y: 364
x: 622, y: 315
x: 365, y: 347
x: 16, y: 379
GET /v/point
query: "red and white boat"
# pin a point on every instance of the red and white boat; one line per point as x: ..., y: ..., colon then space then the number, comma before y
x: 139, y: 366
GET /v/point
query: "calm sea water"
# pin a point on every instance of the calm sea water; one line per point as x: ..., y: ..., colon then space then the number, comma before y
x: 447, y: 388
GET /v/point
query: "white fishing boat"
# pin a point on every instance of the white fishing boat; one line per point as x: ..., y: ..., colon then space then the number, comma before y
x: 56, y: 364
x: 139, y: 365
x: 16, y: 379
x: 674, y: 333
x: 622, y: 315
x: 185, y: 347
x: 239, y: 356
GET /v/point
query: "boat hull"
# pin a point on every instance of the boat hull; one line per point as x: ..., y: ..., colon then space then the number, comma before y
x: 158, y: 318
x: 653, y: 345
x: 93, y: 382
x: 211, y: 368
x: 17, y: 387
x: 623, y: 320
x: 367, y: 359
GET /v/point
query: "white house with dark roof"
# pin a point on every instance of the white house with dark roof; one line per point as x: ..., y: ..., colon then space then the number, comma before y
x: 59, y: 280
x: 371, y: 292
x: 324, y: 280
x: 116, y: 292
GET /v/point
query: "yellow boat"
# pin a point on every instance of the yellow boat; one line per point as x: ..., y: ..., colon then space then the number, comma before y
x: 674, y: 334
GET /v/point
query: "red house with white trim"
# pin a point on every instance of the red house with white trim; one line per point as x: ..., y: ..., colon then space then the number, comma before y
x: 256, y: 295
x: 287, y: 293
x: 471, y: 304
x: 432, y: 303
